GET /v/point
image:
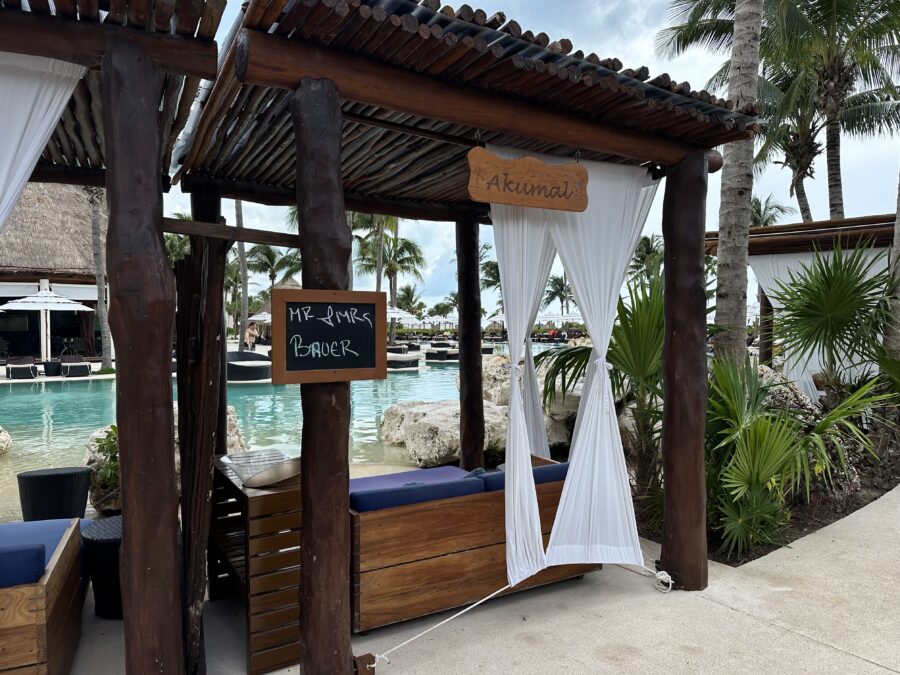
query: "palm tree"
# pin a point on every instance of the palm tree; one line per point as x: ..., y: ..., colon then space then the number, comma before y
x: 410, y: 300
x: 441, y: 309
x: 558, y: 289
x: 769, y: 212
x: 490, y: 280
x: 232, y: 288
x: 452, y: 300
x: 648, y: 257
x: 843, y: 53
x: 271, y: 261
x: 96, y: 197
x: 396, y: 256
x: 242, y: 263
x: 736, y: 24
x: 793, y: 125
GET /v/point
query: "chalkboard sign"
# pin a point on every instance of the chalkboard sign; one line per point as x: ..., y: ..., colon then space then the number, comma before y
x: 328, y: 336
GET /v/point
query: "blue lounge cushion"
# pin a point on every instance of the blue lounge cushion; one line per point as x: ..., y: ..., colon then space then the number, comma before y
x: 26, y: 549
x: 402, y: 495
x: 440, y: 474
x: 21, y: 564
x: 548, y: 473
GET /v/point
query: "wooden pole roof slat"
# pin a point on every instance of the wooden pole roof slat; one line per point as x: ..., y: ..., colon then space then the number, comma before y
x: 267, y: 60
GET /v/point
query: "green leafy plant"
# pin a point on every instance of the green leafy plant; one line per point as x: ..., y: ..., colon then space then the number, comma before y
x: 836, y: 308
x: 108, y: 448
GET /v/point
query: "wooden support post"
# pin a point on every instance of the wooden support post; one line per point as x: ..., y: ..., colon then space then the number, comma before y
x: 200, y: 281
x: 324, y: 477
x: 766, y: 328
x: 471, y: 397
x: 141, y: 318
x: 684, y: 374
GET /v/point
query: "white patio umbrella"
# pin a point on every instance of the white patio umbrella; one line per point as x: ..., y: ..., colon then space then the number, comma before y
x: 401, y: 315
x: 495, y: 318
x: 45, y: 301
x: 262, y: 317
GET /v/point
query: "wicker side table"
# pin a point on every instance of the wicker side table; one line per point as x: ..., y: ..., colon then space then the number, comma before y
x: 102, y: 541
x: 45, y: 494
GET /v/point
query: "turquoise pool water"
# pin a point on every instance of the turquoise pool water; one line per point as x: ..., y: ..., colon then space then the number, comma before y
x: 50, y: 422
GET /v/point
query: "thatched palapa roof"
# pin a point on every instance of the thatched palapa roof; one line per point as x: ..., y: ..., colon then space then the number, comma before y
x: 49, y: 233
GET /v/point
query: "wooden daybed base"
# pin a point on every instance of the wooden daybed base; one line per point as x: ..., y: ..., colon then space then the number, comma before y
x: 407, y: 561
x: 40, y: 623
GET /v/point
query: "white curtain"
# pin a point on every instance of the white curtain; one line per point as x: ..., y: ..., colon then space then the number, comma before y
x: 524, y: 254
x: 35, y: 91
x: 774, y: 267
x: 595, y: 519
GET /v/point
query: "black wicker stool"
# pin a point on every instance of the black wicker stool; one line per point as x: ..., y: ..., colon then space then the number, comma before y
x: 54, y: 493
x: 102, y: 540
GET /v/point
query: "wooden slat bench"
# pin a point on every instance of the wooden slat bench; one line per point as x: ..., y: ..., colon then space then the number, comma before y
x: 407, y: 561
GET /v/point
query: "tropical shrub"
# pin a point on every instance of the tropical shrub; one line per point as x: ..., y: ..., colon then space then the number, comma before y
x: 836, y: 308
x: 108, y: 448
x: 760, y: 457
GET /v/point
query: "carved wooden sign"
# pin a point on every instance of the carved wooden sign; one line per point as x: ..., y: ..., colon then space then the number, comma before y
x: 526, y: 182
x: 328, y: 336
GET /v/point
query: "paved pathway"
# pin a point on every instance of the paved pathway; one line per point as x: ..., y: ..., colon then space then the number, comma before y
x: 829, y: 603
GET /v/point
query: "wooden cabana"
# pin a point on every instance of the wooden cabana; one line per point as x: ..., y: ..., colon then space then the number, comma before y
x: 819, y: 235
x: 331, y: 105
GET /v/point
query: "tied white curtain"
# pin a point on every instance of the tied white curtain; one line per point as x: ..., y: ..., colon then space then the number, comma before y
x: 595, y: 520
x: 35, y: 91
x: 772, y: 268
x: 524, y: 254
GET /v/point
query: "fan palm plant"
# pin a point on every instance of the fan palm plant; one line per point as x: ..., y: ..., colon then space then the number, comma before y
x: 835, y: 308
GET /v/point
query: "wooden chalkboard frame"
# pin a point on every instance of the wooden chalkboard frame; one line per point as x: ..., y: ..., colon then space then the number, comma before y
x: 280, y: 374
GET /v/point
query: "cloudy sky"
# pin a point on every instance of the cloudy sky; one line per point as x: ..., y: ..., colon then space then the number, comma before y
x: 624, y: 29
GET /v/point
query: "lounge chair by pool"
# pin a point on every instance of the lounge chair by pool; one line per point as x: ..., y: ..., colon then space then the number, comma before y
x: 21, y: 368
x: 73, y: 365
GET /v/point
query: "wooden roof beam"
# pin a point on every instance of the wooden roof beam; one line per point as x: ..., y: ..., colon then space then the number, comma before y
x: 84, y: 43
x: 281, y: 196
x: 273, y: 61
x: 221, y: 231
x: 78, y: 175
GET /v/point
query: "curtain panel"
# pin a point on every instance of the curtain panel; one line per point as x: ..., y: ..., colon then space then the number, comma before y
x: 35, y: 93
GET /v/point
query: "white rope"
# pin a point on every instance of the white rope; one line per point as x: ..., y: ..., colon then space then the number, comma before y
x: 664, y: 582
x: 384, y: 655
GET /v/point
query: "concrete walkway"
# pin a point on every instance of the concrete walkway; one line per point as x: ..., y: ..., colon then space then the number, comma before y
x: 829, y: 603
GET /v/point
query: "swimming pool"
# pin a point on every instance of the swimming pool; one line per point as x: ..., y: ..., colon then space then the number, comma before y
x: 50, y: 422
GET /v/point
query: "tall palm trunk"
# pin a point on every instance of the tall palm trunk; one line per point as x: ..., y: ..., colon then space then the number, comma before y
x: 833, y: 155
x: 803, y: 201
x: 96, y: 198
x: 737, y: 190
x: 242, y: 260
x: 891, y: 338
x: 379, y: 253
x: 392, y: 283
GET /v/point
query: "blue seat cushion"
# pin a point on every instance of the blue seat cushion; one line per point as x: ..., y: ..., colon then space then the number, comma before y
x: 548, y: 473
x: 21, y: 564
x: 440, y: 474
x: 413, y: 493
x: 26, y: 549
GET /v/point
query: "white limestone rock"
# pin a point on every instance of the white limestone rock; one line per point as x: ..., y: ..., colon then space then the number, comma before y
x: 430, y: 431
x: 5, y: 441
